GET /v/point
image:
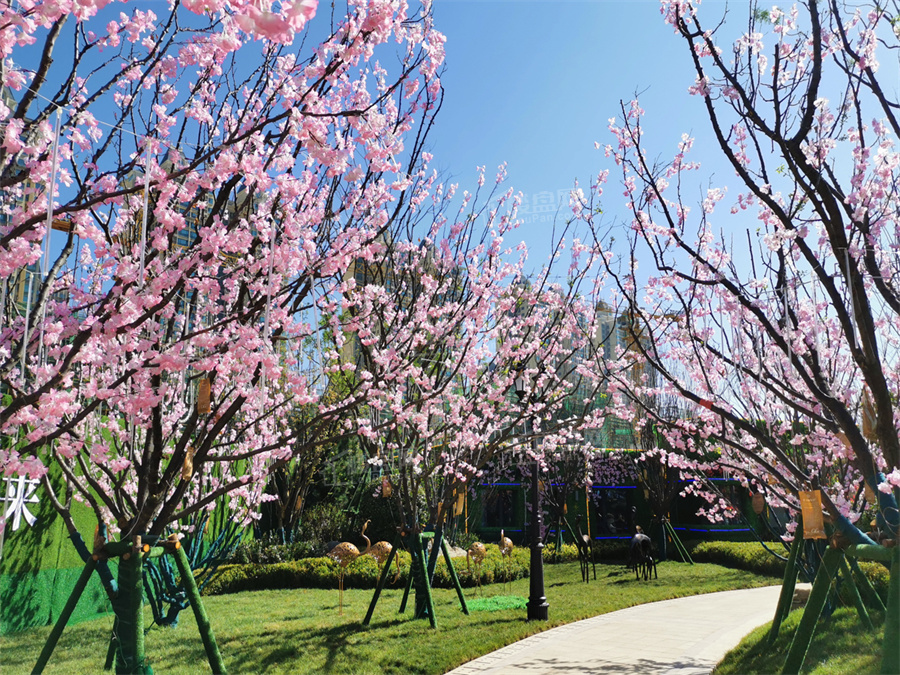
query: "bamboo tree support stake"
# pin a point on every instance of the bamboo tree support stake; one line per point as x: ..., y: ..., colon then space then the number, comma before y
x: 382, y: 581
x: 679, y: 545
x: 855, y: 596
x: 454, y: 576
x: 438, y: 539
x: 113, y: 645
x: 817, y: 597
x: 426, y: 603
x: 890, y: 647
x: 63, y: 619
x: 203, y: 625
x: 409, y: 582
x: 412, y: 567
x: 866, y: 588
x: 869, y: 552
x: 587, y: 512
x: 786, y: 598
x: 106, y: 577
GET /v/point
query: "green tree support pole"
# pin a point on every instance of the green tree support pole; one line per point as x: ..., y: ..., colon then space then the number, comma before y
x: 855, y: 596
x: 866, y: 588
x: 425, y: 604
x: 193, y: 594
x: 113, y: 645
x: 435, y: 553
x: 106, y: 577
x: 453, y: 576
x: 409, y: 583
x: 412, y: 568
x: 679, y: 545
x: 787, y: 589
x: 382, y: 581
x: 890, y: 647
x: 817, y: 598
x: 63, y: 619
x: 869, y: 552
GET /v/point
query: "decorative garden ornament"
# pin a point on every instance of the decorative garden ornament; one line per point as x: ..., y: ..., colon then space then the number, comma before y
x: 344, y: 554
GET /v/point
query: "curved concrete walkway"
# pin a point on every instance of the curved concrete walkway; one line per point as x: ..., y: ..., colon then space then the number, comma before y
x: 686, y: 636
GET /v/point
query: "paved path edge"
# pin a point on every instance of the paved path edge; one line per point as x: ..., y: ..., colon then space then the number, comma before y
x: 692, y: 635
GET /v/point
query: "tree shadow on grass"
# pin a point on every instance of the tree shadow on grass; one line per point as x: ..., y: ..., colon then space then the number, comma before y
x: 21, y: 650
x: 341, y: 648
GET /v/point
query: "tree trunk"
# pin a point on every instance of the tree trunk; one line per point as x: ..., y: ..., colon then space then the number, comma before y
x: 128, y: 607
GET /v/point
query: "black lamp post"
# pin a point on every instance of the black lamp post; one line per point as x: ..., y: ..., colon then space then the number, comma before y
x: 537, y: 602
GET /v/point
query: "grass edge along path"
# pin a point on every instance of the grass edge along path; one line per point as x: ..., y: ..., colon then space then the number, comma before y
x: 841, y: 645
x: 300, y: 630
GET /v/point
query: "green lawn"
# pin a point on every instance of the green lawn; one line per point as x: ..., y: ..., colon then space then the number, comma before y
x: 840, y: 646
x: 300, y: 631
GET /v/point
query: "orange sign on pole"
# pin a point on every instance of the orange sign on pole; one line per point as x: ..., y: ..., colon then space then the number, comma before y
x: 460, y: 503
x: 811, y: 508
x: 203, y: 396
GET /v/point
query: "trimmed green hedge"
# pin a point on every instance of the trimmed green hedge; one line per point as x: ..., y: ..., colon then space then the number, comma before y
x: 742, y: 555
x: 611, y: 552
x: 615, y: 550
x: 751, y: 556
x: 361, y: 573
x: 879, y: 575
x: 566, y: 553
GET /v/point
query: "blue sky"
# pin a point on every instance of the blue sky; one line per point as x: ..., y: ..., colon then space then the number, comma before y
x: 534, y: 83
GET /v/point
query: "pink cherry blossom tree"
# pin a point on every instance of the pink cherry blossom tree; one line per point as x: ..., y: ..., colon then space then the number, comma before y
x: 449, y: 319
x: 773, y: 303
x: 180, y: 190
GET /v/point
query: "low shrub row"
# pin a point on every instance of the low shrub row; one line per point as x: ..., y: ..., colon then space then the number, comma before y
x: 615, y: 551
x: 265, y: 552
x: 612, y: 551
x: 322, y: 572
x: 743, y: 555
x: 565, y: 553
x: 751, y: 556
x: 361, y: 573
x: 879, y: 575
